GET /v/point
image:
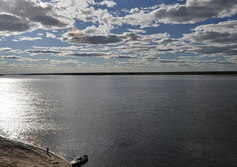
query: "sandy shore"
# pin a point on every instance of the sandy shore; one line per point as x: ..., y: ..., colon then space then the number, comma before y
x: 15, y: 154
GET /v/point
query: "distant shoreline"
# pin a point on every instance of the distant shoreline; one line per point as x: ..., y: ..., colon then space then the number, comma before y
x: 138, y: 73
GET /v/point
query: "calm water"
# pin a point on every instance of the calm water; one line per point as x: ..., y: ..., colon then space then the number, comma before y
x: 164, y: 121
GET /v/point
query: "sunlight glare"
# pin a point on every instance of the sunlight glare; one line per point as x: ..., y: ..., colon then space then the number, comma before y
x: 75, y: 32
x: 43, y: 5
x: 11, y: 109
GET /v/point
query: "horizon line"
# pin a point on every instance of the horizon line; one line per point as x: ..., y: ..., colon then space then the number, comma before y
x: 134, y: 73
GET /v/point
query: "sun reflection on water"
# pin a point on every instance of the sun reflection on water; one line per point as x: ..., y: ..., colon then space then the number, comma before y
x: 12, y: 108
x: 26, y: 111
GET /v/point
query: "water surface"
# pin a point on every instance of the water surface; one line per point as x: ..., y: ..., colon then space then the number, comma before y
x: 125, y: 120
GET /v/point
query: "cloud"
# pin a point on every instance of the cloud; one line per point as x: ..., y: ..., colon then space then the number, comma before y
x: 92, y: 38
x: 9, y: 57
x: 50, y: 35
x: 214, y: 51
x: 5, y: 50
x: 123, y: 36
x: 65, y: 51
x: 121, y: 56
x: 140, y: 18
x: 29, y: 38
x: 13, y: 23
x: 136, y: 30
x: 86, y: 11
x: 85, y: 54
x: 107, y: 3
x: 109, y: 39
x: 38, y: 51
x: 218, y: 39
x: 58, y: 48
x: 215, y: 37
x: 25, y: 15
x: 178, y: 61
x: 222, y: 33
x: 150, y: 57
x: 195, y: 11
x: 40, y: 34
x: 94, y: 35
x: 10, y: 50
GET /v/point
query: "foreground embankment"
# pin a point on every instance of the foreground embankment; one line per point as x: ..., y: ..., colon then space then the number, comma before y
x: 15, y: 154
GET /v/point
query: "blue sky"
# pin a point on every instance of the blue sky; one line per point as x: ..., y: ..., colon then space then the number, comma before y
x: 117, y: 35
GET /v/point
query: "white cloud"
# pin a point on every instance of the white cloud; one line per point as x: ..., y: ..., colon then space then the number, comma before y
x: 9, y: 57
x: 29, y: 38
x: 50, y: 35
x: 137, y: 46
x: 137, y: 30
x: 107, y: 3
x: 223, y: 33
x: 90, y: 37
x: 195, y: 11
x: 5, y: 50
x: 25, y: 15
x: 218, y: 39
x: 40, y: 34
x: 140, y: 18
x: 9, y: 50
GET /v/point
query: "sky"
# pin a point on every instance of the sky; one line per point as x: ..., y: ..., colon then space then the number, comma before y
x: 43, y: 36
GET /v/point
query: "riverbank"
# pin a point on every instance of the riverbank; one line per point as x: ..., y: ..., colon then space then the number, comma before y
x: 16, y: 154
